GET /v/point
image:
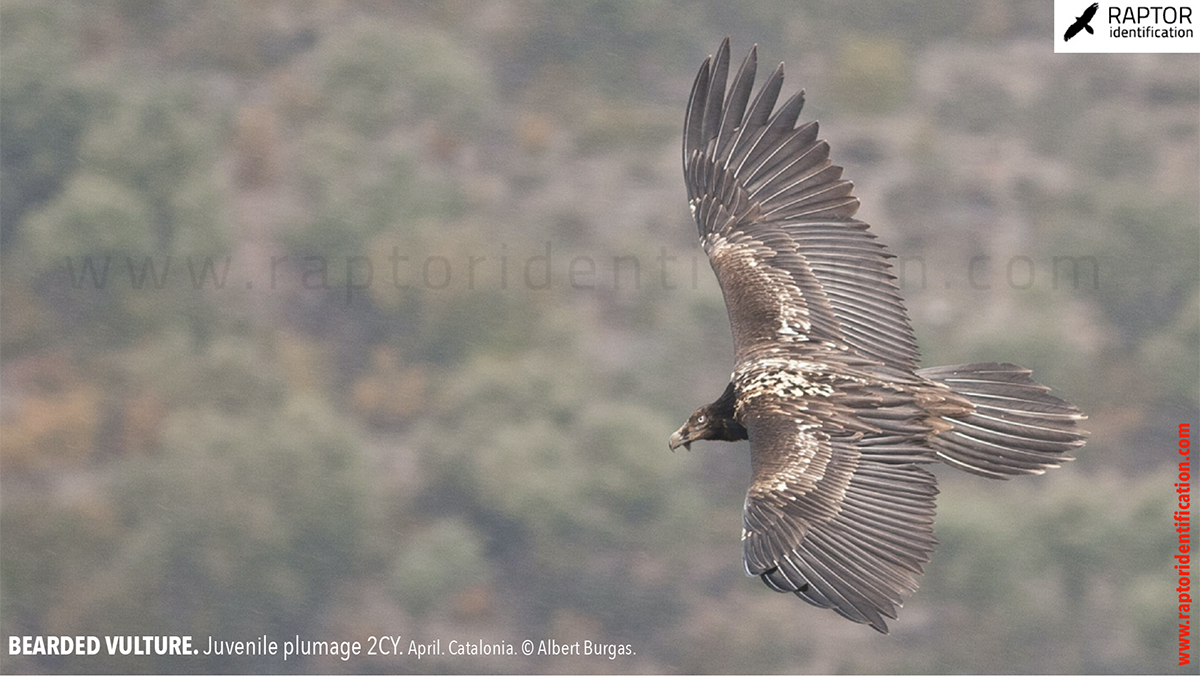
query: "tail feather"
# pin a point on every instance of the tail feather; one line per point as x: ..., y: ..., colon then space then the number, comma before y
x: 1016, y: 426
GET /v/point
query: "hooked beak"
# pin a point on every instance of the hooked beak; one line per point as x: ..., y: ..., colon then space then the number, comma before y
x: 679, y: 439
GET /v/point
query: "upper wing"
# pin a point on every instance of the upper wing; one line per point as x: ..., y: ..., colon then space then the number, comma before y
x: 774, y: 217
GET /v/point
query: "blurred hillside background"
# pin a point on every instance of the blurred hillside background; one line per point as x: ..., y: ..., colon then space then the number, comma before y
x: 348, y: 319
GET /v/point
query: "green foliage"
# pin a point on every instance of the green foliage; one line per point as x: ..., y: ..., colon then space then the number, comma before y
x: 1142, y: 291
x: 1172, y: 356
x: 378, y: 77
x: 50, y: 542
x: 94, y: 216
x: 601, y: 42
x: 871, y: 75
x: 917, y: 21
x: 101, y: 248
x: 569, y: 469
x: 121, y: 244
x: 442, y: 558
x: 986, y: 568
x: 359, y: 192
x: 161, y: 146
x: 374, y: 82
x: 979, y: 107
x: 45, y: 111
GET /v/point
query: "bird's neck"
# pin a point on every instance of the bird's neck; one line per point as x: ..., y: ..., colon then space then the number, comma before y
x: 724, y: 419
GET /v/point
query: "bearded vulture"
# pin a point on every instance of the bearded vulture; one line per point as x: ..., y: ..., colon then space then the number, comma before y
x: 826, y: 386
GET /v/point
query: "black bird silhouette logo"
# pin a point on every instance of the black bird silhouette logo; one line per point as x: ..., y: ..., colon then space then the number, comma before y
x: 1082, y: 22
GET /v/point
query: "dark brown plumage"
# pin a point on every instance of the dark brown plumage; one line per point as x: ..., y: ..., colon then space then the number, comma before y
x: 825, y: 384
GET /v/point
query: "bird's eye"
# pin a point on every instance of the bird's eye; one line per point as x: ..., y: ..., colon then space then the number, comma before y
x: 701, y: 418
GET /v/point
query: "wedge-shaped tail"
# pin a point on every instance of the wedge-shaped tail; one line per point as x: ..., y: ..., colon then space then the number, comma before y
x: 1017, y: 426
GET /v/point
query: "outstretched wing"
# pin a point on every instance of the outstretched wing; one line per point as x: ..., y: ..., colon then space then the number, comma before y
x: 775, y: 217
x: 837, y: 512
x: 841, y: 523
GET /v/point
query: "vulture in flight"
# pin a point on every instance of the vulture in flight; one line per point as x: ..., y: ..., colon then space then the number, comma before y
x: 826, y: 385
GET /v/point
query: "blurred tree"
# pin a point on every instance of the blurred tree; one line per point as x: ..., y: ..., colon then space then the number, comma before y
x: 870, y: 74
x: 437, y: 561
x: 1037, y: 564
x: 46, y: 112
x: 568, y: 469
x: 246, y: 522
x: 162, y: 146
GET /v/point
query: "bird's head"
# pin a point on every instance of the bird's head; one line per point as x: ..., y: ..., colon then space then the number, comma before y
x: 707, y: 423
x: 699, y: 426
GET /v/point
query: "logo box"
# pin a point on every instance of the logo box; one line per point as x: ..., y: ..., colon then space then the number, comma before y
x: 1086, y: 27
